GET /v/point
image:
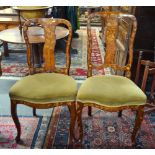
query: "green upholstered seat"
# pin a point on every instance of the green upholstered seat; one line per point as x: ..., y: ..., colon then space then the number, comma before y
x: 45, y: 87
x: 111, y: 91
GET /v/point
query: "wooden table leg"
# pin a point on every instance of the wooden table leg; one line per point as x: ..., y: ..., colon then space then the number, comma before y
x: 36, y: 55
x: 6, y: 50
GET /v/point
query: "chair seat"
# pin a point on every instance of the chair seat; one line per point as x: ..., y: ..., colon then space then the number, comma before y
x: 44, y: 87
x: 111, y: 91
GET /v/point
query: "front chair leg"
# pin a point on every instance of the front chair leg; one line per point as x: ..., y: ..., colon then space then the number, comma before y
x: 72, y: 109
x: 79, y: 121
x: 138, y: 121
x: 15, y: 119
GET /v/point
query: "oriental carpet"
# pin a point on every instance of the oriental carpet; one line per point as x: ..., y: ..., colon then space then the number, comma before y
x: 104, y: 130
x: 33, y: 131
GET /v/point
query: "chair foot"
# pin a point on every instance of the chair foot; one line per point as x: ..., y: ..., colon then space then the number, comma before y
x: 17, y: 139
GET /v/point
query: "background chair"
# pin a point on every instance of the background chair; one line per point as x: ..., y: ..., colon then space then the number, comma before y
x: 48, y: 86
x: 149, y: 71
x: 112, y: 92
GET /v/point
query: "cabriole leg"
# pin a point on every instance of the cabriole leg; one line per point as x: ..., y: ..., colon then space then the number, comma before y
x: 15, y: 119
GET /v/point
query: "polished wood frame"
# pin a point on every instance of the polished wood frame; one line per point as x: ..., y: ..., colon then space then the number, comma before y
x: 49, y: 26
x: 111, y: 63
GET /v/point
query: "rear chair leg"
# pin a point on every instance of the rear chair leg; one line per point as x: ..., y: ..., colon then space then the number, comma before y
x: 72, y: 109
x: 89, y: 111
x: 120, y: 113
x: 79, y: 121
x: 15, y: 119
x: 34, y: 112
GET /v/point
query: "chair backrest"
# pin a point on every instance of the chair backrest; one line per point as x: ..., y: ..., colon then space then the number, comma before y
x: 47, y: 27
x: 118, y: 31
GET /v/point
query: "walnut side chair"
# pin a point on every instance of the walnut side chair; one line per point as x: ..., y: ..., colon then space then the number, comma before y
x: 112, y: 93
x: 47, y: 86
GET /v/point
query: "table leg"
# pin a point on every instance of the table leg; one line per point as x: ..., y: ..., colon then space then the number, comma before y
x: 61, y: 43
x: 6, y: 50
x: 40, y: 50
x: 36, y: 55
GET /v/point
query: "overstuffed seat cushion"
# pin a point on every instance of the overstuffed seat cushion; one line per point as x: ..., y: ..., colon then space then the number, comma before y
x: 111, y: 91
x: 44, y: 87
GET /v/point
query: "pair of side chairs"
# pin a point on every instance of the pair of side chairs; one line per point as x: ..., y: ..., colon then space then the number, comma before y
x: 49, y: 86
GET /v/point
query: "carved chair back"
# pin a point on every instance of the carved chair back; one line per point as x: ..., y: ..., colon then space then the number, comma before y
x: 47, y: 26
x: 118, y: 31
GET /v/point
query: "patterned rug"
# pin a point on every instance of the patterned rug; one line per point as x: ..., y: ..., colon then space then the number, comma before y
x: 33, y: 132
x: 15, y: 65
x: 104, y: 130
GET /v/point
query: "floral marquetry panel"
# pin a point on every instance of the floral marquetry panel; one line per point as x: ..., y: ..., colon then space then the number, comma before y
x: 110, y: 34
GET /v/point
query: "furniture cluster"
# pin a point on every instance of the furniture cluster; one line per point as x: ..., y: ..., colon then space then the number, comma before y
x: 47, y: 86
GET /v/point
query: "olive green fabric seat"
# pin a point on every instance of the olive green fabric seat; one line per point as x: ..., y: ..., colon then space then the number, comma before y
x: 45, y: 87
x: 111, y: 91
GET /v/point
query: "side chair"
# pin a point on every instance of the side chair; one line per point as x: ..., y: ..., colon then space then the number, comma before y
x: 115, y: 92
x: 149, y: 70
x: 47, y: 86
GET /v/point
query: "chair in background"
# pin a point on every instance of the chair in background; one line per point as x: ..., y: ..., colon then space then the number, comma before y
x: 114, y: 92
x: 149, y: 70
x: 47, y: 86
